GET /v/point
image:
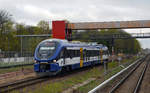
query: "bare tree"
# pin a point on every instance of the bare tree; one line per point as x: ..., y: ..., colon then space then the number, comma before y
x: 4, y: 18
x: 44, y: 25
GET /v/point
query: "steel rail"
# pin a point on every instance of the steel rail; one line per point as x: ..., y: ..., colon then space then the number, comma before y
x: 19, y: 84
x: 114, y: 76
x: 124, y: 79
x: 141, y: 78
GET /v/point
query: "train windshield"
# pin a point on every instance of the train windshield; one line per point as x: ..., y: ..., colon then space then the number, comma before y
x: 46, y: 49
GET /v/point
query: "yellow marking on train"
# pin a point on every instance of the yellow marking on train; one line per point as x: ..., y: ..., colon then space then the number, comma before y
x: 81, y: 57
x: 101, y: 55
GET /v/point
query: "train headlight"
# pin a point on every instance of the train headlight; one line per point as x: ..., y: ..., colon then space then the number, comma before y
x: 35, y: 61
x: 54, y: 61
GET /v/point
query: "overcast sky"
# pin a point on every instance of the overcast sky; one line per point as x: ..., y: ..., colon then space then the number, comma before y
x: 31, y: 12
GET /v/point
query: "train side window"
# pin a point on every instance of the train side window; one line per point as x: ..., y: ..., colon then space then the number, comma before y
x: 84, y: 54
x: 95, y: 53
x: 90, y: 53
x: 69, y: 53
x: 105, y: 52
x: 76, y: 53
x: 87, y: 53
x: 62, y: 54
x: 66, y: 53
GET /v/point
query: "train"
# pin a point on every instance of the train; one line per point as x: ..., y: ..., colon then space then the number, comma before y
x: 55, y: 55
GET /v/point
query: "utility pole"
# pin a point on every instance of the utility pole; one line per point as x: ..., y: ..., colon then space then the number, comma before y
x: 112, y: 49
x: 21, y: 45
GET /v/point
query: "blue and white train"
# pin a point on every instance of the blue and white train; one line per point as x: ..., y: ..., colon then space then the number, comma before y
x: 54, y: 55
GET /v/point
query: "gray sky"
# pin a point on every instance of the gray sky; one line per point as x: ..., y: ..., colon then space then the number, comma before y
x: 32, y: 11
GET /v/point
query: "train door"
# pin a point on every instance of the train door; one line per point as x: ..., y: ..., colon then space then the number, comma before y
x: 69, y: 56
x: 62, y: 56
x: 84, y: 55
x: 81, y: 57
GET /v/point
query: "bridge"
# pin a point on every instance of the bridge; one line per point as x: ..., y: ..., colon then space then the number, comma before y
x: 123, y: 36
x: 109, y: 25
x: 63, y: 29
x: 104, y: 36
x: 115, y: 36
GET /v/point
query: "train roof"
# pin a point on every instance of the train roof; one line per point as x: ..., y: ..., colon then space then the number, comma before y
x: 77, y: 43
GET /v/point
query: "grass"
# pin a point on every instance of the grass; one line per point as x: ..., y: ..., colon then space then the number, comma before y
x: 93, y: 84
x: 2, y: 71
x: 60, y: 86
x: 12, y: 69
x: 112, y: 65
x: 51, y: 88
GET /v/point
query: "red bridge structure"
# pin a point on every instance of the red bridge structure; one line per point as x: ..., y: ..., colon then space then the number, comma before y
x: 63, y: 29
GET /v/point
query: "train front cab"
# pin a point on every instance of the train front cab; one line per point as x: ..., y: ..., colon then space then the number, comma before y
x: 43, y: 53
x: 48, y: 68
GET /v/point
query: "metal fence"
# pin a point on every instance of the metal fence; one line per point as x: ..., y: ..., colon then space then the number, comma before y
x: 12, y: 58
x: 25, y: 55
x: 10, y: 54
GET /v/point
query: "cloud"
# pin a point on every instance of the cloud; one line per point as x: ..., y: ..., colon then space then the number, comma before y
x: 144, y: 43
x: 32, y: 11
x: 76, y: 10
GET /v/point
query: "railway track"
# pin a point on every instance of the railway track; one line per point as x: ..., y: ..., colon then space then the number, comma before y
x: 35, y: 80
x: 6, y: 88
x: 20, y: 84
x: 132, y: 81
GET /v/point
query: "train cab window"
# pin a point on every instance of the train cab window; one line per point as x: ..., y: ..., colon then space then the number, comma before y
x: 46, y: 49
